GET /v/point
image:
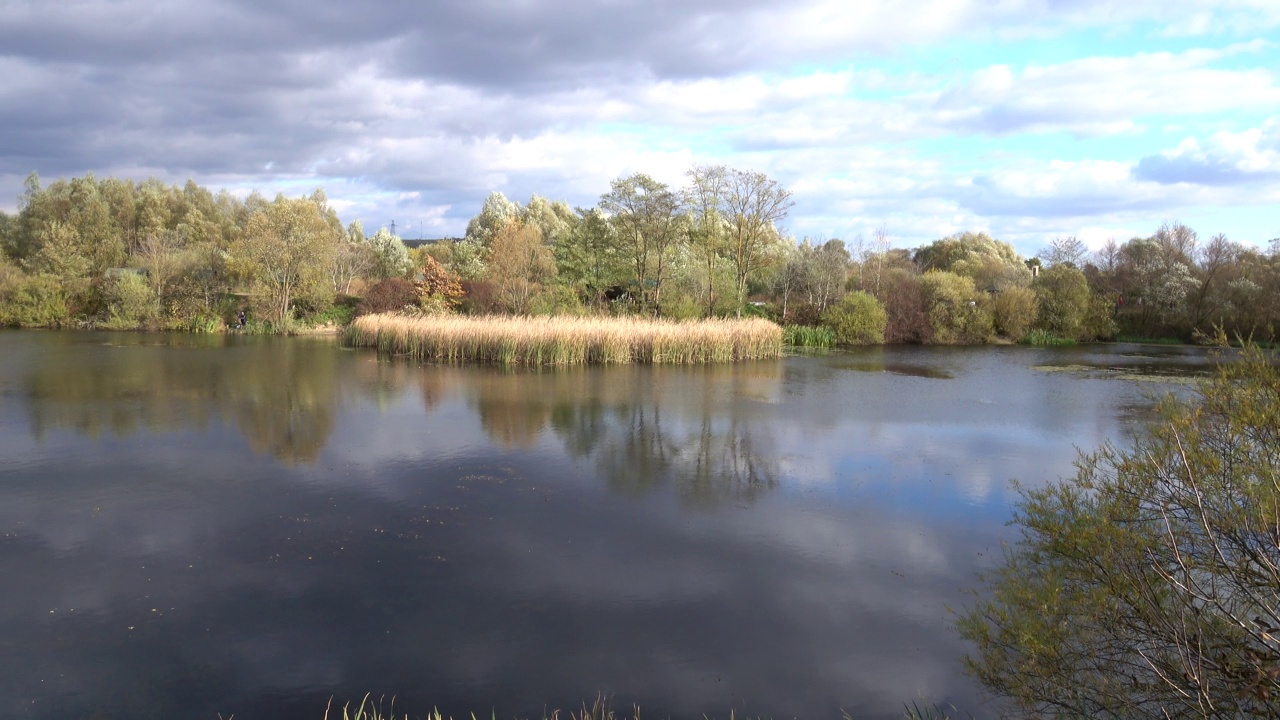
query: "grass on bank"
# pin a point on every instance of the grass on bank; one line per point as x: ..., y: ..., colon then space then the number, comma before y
x: 600, y: 710
x: 808, y: 337
x: 504, y: 340
x: 1045, y: 338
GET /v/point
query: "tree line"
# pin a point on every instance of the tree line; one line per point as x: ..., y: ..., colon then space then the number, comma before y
x: 118, y: 254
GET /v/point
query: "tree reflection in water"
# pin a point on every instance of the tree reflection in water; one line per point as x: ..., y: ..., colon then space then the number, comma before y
x: 644, y: 427
x: 280, y: 393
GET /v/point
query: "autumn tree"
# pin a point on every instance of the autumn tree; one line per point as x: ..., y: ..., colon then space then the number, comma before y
x: 439, y: 289
x: 520, y: 264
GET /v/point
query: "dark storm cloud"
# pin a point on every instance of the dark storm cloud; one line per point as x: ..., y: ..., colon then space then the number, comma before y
x: 283, y: 88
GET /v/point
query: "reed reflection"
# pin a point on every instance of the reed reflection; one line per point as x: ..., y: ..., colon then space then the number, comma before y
x: 699, y: 430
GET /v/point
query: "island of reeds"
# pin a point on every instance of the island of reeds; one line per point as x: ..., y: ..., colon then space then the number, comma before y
x: 514, y: 340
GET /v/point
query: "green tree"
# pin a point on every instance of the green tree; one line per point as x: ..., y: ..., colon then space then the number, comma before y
x: 956, y: 309
x: 390, y: 256
x: 992, y: 265
x: 494, y: 214
x: 1148, y: 585
x: 649, y: 221
x: 589, y: 259
x: 285, y: 252
x: 858, y: 319
x: 1014, y: 310
x: 1063, y: 295
x: 709, y: 230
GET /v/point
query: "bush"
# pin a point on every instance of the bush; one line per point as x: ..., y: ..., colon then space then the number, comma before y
x: 858, y: 319
x: 1014, y: 311
x: 132, y: 304
x: 33, y: 301
x: 387, y: 295
x: 957, y: 310
x: 908, y: 317
x: 1148, y: 585
x: 1063, y: 292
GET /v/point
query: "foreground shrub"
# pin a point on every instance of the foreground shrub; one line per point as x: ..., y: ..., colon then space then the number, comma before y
x: 512, y: 340
x: 1148, y: 585
x: 858, y: 319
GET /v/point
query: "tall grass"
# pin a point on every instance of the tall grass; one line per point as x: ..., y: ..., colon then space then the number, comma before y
x: 506, y: 340
x: 806, y: 336
x: 1045, y: 338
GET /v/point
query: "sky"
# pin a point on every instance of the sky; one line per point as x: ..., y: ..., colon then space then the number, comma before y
x: 1027, y: 119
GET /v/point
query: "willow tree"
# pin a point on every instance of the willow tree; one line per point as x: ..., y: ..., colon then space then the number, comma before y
x: 285, y: 253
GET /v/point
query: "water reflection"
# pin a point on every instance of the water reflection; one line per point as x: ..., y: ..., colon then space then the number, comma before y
x: 645, y: 428
x: 281, y: 395
x: 778, y: 539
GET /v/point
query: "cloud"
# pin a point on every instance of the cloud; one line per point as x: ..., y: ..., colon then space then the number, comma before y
x: 1225, y: 159
x: 417, y: 112
x: 1105, y: 95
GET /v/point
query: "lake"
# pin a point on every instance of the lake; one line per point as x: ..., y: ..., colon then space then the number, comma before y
x: 195, y: 526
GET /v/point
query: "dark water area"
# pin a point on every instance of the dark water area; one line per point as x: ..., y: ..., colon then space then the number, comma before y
x: 201, y: 526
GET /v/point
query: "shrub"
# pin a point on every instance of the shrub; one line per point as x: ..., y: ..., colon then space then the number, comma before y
x: 905, y: 304
x: 1063, y: 293
x: 957, y: 310
x: 387, y: 295
x: 1014, y: 311
x: 33, y: 301
x: 131, y: 303
x: 858, y: 319
x: 1148, y: 585
x: 1044, y: 338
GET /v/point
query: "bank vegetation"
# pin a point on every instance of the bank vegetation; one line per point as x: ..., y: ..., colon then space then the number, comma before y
x: 113, y: 253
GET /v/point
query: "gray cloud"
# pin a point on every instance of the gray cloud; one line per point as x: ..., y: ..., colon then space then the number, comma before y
x: 417, y: 110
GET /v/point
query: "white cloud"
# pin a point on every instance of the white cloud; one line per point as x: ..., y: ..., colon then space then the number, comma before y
x: 1225, y: 158
x: 1105, y: 95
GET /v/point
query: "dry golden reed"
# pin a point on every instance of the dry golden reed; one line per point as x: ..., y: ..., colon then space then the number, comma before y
x: 507, y: 340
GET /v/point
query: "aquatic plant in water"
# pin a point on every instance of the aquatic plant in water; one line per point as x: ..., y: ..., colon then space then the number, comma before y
x: 519, y: 340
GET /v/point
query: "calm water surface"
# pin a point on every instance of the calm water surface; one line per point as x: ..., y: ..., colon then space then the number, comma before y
x: 196, y: 526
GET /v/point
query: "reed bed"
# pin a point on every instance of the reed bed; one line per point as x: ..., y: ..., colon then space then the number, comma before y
x: 504, y: 340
